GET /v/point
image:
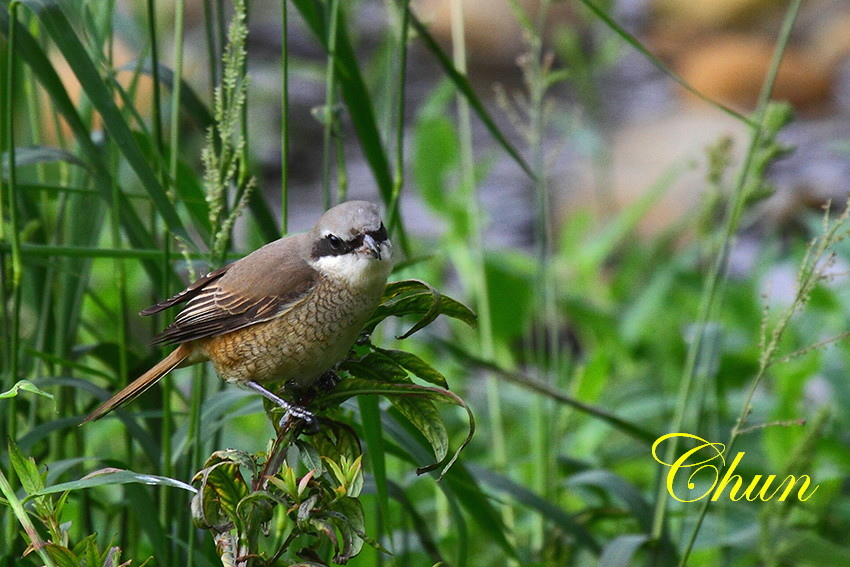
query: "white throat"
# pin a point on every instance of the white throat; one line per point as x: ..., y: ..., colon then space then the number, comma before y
x: 358, y: 271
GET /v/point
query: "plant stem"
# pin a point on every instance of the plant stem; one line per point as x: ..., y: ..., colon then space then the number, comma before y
x: 12, y: 330
x: 475, y: 251
x: 284, y: 117
x: 23, y: 518
x: 156, y: 102
x: 715, y: 284
x: 398, y: 176
x: 329, y: 117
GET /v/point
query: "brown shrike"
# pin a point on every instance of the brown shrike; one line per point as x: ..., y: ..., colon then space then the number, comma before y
x: 285, y: 313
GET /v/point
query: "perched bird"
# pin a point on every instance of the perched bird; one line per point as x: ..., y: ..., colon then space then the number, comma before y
x: 285, y: 313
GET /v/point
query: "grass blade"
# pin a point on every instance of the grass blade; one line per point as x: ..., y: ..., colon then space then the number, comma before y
x: 354, y: 93
x: 462, y: 84
x: 637, y: 45
x: 33, y: 55
x: 532, y: 501
x: 59, y: 29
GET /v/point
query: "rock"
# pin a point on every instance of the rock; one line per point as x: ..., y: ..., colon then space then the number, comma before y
x: 714, y: 14
x: 494, y: 36
x: 731, y: 69
x: 642, y: 155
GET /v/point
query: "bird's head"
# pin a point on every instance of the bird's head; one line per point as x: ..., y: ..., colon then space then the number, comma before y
x: 350, y: 242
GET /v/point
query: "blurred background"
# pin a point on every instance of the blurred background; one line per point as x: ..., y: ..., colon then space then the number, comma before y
x: 641, y: 234
x: 613, y: 102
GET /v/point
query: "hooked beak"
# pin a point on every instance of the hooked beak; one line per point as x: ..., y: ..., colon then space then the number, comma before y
x: 371, y: 247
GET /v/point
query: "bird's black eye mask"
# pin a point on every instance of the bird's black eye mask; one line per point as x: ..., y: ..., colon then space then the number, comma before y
x: 333, y: 245
x: 379, y: 235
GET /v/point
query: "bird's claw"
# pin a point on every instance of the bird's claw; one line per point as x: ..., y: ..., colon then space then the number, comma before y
x: 292, y: 411
x: 309, y: 421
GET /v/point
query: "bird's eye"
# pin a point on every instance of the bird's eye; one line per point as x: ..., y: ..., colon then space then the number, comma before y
x: 335, y: 241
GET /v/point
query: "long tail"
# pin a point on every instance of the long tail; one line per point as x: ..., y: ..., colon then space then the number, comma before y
x: 140, y: 384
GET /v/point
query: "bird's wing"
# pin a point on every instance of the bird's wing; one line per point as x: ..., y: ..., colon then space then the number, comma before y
x: 189, y: 293
x: 257, y: 288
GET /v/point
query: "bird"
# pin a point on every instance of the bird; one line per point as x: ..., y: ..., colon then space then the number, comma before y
x: 285, y: 313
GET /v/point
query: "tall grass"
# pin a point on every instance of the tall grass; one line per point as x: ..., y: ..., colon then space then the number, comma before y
x: 587, y: 349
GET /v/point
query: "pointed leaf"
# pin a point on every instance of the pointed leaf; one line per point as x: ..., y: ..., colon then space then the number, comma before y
x: 222, y: 488
x: 26, y: 469
x: 415, y: 297
x: 26, y: 386
x: 115, y: 476
x: 349, y: 520
x: 620, y: 551
x: 355, y: 386
x: 416, y: 366
x: 61, y: 556
x: 423, y: 414
x: 30, y: 155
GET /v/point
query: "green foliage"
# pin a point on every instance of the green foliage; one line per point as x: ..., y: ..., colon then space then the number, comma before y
x: 578, y: 355
x: 26, y: 386
x: 224, y: 154
x: 54, y: 552
x: 320, y: 504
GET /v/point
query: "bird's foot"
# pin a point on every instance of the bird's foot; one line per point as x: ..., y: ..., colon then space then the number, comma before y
x: 291, y: 411
x: 309, y: 423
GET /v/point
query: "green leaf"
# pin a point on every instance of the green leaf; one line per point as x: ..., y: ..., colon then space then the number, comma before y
x: 26, y: 469
x: 620, y: 551
x: 423, y: 416
x: 106, y: 477
x: 62, y: 556
x: 415, y: 366
x: 336, y: 472
x: 375, y: 365
x: 310, y: 457
x: 30, y: 155
x: 87, y: 548
x: 222, y: 487
x: 26, y: 386
x: 349, y: 520
x: 415, y: 297
x: 335, y: 440
x: 532, y: 501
